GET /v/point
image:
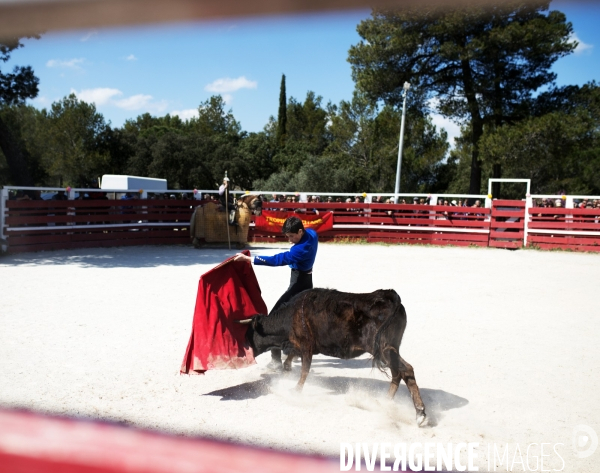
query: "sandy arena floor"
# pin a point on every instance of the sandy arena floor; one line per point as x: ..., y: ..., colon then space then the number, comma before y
x: 505, y: 346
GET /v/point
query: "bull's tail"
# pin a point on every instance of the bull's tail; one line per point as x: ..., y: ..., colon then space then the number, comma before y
x: 388, y: 338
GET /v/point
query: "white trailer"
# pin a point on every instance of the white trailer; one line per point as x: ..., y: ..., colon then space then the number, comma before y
x: 115, y: 182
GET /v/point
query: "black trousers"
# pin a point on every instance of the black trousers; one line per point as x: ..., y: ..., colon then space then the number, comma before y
x: 299, y: 281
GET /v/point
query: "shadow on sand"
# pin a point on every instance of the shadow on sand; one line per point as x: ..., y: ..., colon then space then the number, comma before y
x: 244, y: 391
x: 129, y: 256
x: 436, y: 401
x: 355, y: 363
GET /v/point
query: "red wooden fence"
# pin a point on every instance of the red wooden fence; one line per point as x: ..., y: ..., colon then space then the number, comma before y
x: 52, y: 225
x: 507, y: 227
x: 394, y: 223
x: 573, y: 229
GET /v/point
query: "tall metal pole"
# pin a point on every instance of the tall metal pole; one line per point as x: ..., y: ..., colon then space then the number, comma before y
x: 227, y: 210
x: 401, y: 145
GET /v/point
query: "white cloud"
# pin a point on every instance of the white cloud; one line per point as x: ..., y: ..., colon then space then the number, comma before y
x: 112, y: 97
x: 41, y: 100
x: 452, y: 128
x: 131, y: 57
x: 581, y: 47
x: 135, y: 102
x: 99, y: 96
x: 230, y: 85
x: 88, y: 36
x: 142, y: 101
x: 70, y: 63
x: 186, y: 114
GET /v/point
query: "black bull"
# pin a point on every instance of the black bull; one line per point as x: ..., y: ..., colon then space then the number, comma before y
x: 342, y: 325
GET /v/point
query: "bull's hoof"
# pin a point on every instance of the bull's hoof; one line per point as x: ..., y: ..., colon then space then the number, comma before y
x: 421, y: 419
x: 275, y: 366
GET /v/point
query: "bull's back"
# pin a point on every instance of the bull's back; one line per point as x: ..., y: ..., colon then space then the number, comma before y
x: 341, y: 324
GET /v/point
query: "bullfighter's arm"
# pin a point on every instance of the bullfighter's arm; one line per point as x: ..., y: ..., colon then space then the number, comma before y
x: 296, y: 254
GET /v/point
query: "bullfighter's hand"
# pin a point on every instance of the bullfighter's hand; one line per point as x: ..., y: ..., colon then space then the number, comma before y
x: 242, y: 257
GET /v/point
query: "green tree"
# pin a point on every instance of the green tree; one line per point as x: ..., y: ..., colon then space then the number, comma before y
x: 476, y: 65
x: 73, y: 132
x: 214, y: 120
x: 15, y: 87
x: 196, y: 153
x: 23, y: 122
x: 558, y: 147
x: 559, y: 152
x: 306, y: 135
x: 365, y: 139
x: 282, y: 115
x: 316, y: 174
x: 307, y: 123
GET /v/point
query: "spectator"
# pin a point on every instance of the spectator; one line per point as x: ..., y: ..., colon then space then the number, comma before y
x: 22, y: 196
x: 349, y: 201
x: 558, y: 205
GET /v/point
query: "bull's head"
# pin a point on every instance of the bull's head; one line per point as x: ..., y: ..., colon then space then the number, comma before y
x: 261, y: 337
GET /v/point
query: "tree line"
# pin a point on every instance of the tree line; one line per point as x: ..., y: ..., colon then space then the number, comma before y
x: 488, y: 69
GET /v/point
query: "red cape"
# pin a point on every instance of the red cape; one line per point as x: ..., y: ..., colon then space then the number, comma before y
x: 226, y: 293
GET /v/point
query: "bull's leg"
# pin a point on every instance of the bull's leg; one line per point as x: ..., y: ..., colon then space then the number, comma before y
x: 287, y: 364
x: 306, y: 361
x: 407, y: 373
x: 396, y: 375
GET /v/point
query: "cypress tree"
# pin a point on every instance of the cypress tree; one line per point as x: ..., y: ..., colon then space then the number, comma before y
x: 282, y: 115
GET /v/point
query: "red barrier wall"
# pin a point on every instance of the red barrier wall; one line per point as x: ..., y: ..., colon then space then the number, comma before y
x: 53, y: 225
x: 35, y: 443
x: 394, y: 223
x: 507, y: 227
x: 573, y: 229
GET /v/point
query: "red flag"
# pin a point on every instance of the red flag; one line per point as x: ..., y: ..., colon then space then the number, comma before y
x: 272, y: 221
x: 226, y: 293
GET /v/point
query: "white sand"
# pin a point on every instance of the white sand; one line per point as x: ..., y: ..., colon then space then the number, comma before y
x: 505, y: 346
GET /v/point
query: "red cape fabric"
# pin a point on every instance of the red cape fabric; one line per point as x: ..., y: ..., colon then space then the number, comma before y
x: 272, y: 221
x: 226, y: 293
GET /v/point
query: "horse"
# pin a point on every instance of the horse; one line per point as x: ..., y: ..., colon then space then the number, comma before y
x: 251, y: 202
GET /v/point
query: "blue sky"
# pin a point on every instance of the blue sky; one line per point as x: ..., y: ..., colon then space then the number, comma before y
x: 173, y: 68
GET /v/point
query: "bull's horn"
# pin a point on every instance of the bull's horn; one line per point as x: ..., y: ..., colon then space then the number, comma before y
x: 244, y: 321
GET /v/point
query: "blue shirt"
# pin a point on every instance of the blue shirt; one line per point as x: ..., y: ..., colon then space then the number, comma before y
x: 301, y: 255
